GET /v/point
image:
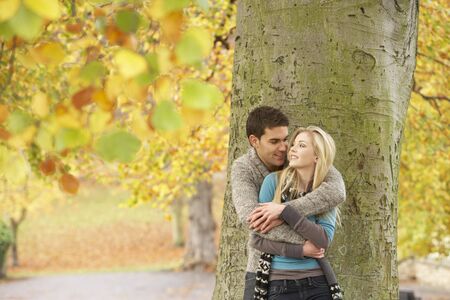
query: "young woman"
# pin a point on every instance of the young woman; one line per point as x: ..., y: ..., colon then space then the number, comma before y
x: 311, y: 154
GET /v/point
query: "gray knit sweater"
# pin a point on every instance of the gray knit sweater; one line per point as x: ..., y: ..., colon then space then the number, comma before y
x: 247, y: 175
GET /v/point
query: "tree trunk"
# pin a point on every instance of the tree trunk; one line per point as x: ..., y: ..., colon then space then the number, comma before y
x: 177, y: 223
x: 347, y: 67
x: 200, y: 248
x: 15, y: 231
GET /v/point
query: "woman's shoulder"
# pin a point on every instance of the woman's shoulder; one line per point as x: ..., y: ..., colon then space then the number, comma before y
x: 271, y: 178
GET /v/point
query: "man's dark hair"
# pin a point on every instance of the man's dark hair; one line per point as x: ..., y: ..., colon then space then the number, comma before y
x: 264, y: 117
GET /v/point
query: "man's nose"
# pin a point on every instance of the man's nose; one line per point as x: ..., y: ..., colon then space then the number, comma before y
x: 283, y: 146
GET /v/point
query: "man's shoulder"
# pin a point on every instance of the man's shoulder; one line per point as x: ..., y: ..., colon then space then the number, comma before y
x: 242, y: 161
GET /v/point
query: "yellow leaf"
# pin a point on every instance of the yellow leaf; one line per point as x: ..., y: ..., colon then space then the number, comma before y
x: 17, y: 169
x: 102, y: 100
x: 26, y: 60
x: 39, y: 105
x: 8, y: 9
x: 48, y: 9
x: 69, y: 119
x: 24, y: 138
x: 164, y: 88
x: 130, y: 63
x: 164, y: 61
x: 114, y: 86
x: 139, y: 125
x: 44, y: 138
x: 134, y: 91
x: 48, y: 53
x: 98, y: 121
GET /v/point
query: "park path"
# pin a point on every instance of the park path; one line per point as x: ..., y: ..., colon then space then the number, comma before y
x: 138, y: 286
x: 112, y: 286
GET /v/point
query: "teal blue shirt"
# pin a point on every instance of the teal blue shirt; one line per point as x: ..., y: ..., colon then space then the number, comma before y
x: 326, y: 220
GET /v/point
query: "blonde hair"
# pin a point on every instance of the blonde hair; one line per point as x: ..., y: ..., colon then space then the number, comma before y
x: 325, y: 150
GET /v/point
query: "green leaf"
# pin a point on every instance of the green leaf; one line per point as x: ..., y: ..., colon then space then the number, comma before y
x: 13, y: 165
x: 195, y: 45
x: 26, y: 24
x: 44, y: 139
x: 6, y: 31
x: 200, y: 95
x: 69, y: 138
x: 18, y: 121
x: 166, y: 117
x: 203, y: 4
x: 171, y: 5
x: 93, y: 71
x: 127, y: 20
x: 118, y: 145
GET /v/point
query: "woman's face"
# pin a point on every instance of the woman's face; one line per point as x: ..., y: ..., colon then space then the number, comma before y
x: 301, y: 154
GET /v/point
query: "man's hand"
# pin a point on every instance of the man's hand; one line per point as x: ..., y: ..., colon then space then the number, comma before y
x: 268, y: 225
x: 265, y: 211
x: 310, y: 250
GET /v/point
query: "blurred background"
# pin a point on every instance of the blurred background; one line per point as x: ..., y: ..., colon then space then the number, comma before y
x: 109, y: 166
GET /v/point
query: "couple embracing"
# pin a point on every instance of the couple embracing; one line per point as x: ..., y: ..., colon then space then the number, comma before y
x: 286, y: 193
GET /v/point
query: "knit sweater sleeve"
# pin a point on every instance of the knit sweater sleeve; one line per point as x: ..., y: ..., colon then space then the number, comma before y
x: 244, y: 191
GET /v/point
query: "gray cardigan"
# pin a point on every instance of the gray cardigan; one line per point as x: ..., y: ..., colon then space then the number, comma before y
x: 247, y: 175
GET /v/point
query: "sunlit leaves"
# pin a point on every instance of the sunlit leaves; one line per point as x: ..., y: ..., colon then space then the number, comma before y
x: 8, y: 8
x: 127, y: 20
x: 70, y: 138
x: 164, y: 88
x: 83, y: 97
x: 4, y: 112
x: 129, y: 63
x: 117, y: 145
x: 171, y: 26
x: 40, y: 105
x: 48, y: 9
x: 93, y: 72
x: 13, y: 165
x: 48, y: 53
x: 203, y: 4
x: 194, y: 46
x: 25, y: 23
x: 166, y: 117
x: 200, y: 95
x: 47, y: 167
x: 160, y: 8
x: 69, y: 183
x: 18, y: 121
x: 102, y: 100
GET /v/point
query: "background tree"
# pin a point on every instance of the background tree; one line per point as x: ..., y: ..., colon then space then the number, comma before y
x: 347, y: 67
x: 424, y: 169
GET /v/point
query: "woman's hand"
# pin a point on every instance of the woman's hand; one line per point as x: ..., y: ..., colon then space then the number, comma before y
x: 310, y: 250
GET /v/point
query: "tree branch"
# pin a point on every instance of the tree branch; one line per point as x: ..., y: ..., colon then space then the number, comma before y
x: 434, y: 59
x: 11, y: 67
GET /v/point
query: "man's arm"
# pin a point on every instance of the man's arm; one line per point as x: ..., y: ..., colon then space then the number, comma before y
x: 244, y: 194
x: 319, y: 234
x: 328, y: 195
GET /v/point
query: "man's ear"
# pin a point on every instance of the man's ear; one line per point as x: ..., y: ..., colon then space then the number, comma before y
x: 253, y: 140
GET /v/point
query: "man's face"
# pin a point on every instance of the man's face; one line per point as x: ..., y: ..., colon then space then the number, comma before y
x: 271, y: 147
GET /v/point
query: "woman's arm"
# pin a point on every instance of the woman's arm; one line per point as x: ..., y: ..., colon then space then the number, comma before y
x: 306, y: 228
x: 323, y: 230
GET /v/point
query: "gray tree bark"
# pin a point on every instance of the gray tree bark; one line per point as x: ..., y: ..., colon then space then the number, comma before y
x: 177, y: 223
x: 346, y: 66
x: 200, y: 248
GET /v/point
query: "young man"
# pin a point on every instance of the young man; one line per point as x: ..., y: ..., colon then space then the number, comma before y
x: 267, y: 131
